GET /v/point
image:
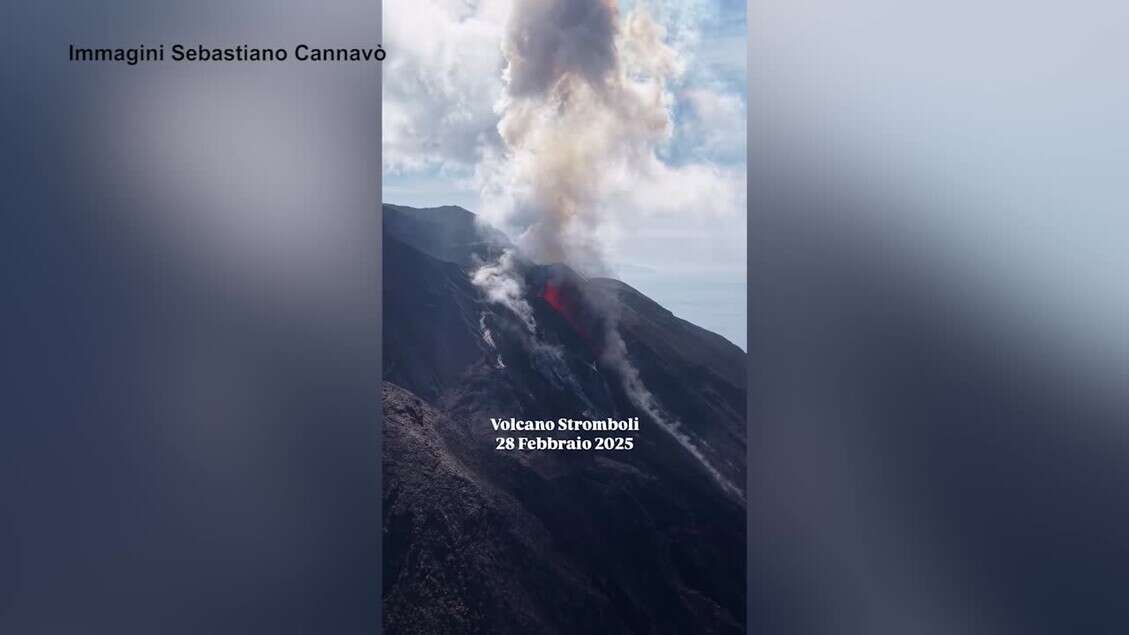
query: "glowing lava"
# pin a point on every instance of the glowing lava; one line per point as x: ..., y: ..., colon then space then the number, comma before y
x: 557, y: 298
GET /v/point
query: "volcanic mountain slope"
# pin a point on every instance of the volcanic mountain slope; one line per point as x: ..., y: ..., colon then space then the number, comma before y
x: 480, y: 540
x: 446, y: 233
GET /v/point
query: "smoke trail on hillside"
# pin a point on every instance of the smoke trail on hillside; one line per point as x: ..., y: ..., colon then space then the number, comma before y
x: 615, y: 355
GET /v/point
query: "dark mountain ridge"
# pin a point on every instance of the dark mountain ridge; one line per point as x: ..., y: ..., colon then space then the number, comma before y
x: 645, y: 540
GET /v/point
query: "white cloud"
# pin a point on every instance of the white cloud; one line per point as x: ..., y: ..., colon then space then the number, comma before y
x: 441, y: 79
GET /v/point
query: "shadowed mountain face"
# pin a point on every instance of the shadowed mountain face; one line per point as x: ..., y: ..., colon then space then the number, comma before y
x: 445, y: 233
x: 481, y: 540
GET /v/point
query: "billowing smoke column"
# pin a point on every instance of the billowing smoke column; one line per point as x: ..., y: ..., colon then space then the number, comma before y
x: 585, y: 108
x: 584, y: 111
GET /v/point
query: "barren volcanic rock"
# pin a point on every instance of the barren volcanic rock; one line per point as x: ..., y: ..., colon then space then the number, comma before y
x: 479, y: 540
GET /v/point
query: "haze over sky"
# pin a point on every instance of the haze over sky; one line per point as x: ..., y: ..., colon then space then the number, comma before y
x: 677, y: 233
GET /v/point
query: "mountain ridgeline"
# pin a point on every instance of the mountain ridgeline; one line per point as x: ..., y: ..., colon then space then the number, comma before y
x: 477, y: 540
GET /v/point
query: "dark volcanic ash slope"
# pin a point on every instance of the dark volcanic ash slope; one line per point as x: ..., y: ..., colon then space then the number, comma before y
x: 460, y: 555
x: 479, y: 540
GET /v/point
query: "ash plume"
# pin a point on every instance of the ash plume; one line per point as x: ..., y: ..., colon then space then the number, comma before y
x: 585, y: 108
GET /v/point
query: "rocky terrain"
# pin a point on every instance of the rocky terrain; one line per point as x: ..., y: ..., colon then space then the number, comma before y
x: 477, y: 540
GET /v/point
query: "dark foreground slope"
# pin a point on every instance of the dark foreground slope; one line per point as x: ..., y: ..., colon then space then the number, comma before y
x: 462, y: 555
x: 479, y: 540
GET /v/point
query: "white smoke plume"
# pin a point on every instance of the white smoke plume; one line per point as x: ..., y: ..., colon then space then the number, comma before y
x: 502, y: 284
x: 584, y: 111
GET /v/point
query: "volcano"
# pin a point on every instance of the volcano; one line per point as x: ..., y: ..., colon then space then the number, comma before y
x: 483, y: 541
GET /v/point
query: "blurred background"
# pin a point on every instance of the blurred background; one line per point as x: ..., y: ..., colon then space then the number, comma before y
x: 937, y: 304
x: 189, y: 440
x: 939, y: 333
